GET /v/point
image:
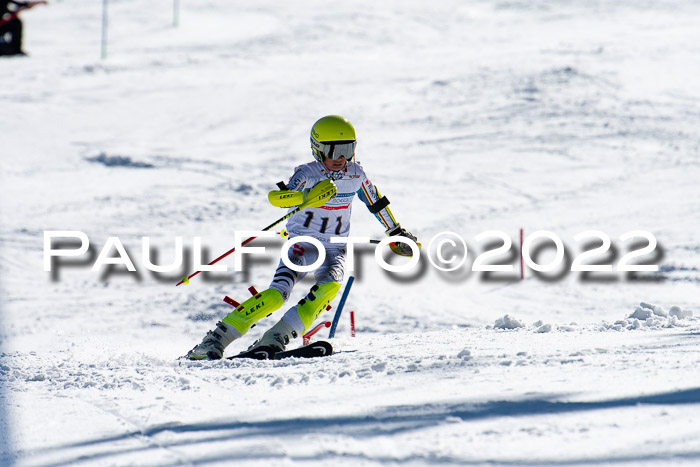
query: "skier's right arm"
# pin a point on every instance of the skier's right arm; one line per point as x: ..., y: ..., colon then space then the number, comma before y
x: 285, y: 198
x: 300, y: 188
x: 292, y: 193
x: 320, y: 194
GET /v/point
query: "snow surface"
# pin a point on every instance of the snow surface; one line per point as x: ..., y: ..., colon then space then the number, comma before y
x: 471, y: 116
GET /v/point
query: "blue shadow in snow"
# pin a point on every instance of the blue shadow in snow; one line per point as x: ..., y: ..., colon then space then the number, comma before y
x: 386, y: 421
x: 5, y: 428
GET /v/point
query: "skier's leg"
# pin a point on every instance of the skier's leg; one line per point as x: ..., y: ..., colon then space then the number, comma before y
x: 14, y: 27
x: 5, y: 47
x: 286, y: 278
x: 247, y: 314
x: 299, y: 318
x: 302, y: 315
x: 252, y: 310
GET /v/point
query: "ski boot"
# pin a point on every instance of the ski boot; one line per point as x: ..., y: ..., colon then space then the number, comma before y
x: 277, y: 337
x: 296, y: 321
x: 310, y: 307
x: 213, y: 345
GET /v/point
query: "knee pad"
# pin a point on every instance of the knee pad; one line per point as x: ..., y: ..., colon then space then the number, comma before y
x: 316, y: 301
x: 252, y: 310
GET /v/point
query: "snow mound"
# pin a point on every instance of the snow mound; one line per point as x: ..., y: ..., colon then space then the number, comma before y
x: 506, y: 322
x: 647, y: 310
x: 680, y: 314
x: 647, y: 315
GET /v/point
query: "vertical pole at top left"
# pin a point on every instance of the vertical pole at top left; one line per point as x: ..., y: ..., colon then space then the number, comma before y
x: 176, y: 13
x: 104, y: 29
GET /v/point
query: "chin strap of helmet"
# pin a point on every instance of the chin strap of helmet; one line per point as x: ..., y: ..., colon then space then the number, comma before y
x: 335, y: 175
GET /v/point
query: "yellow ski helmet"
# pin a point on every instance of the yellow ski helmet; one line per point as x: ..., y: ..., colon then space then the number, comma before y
x: 333, y: 137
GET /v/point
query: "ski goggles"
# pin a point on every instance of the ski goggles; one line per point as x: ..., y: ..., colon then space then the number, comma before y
x: 334, y: 150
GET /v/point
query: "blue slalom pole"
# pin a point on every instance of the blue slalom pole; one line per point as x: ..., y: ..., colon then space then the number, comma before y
x: 344, y: 297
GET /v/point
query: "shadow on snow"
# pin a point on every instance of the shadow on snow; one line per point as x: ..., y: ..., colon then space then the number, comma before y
x: 384, y: 422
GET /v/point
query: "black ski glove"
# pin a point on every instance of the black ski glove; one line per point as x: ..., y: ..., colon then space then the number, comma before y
x: 401, y: 248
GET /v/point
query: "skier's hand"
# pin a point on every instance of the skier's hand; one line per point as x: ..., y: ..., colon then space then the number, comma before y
x: 401, y: 248
x: 320, y: 194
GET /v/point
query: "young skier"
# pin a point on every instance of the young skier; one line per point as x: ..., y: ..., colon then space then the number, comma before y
x: 333, y: 146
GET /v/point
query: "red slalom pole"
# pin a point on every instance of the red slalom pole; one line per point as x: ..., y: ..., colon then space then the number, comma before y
x: 187, y: 279
x: 307, y: 336
x: 352, y: 323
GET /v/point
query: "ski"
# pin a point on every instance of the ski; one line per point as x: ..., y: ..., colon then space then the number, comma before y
x: 261, y: 353
x: 315, y: 349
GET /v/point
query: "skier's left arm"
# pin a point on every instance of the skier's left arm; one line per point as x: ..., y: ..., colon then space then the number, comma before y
x: 379, y: 206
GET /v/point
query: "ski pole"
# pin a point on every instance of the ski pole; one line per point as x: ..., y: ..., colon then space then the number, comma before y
x: 340, y: 307
x: 186, y: 279
x: 317, y: 197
